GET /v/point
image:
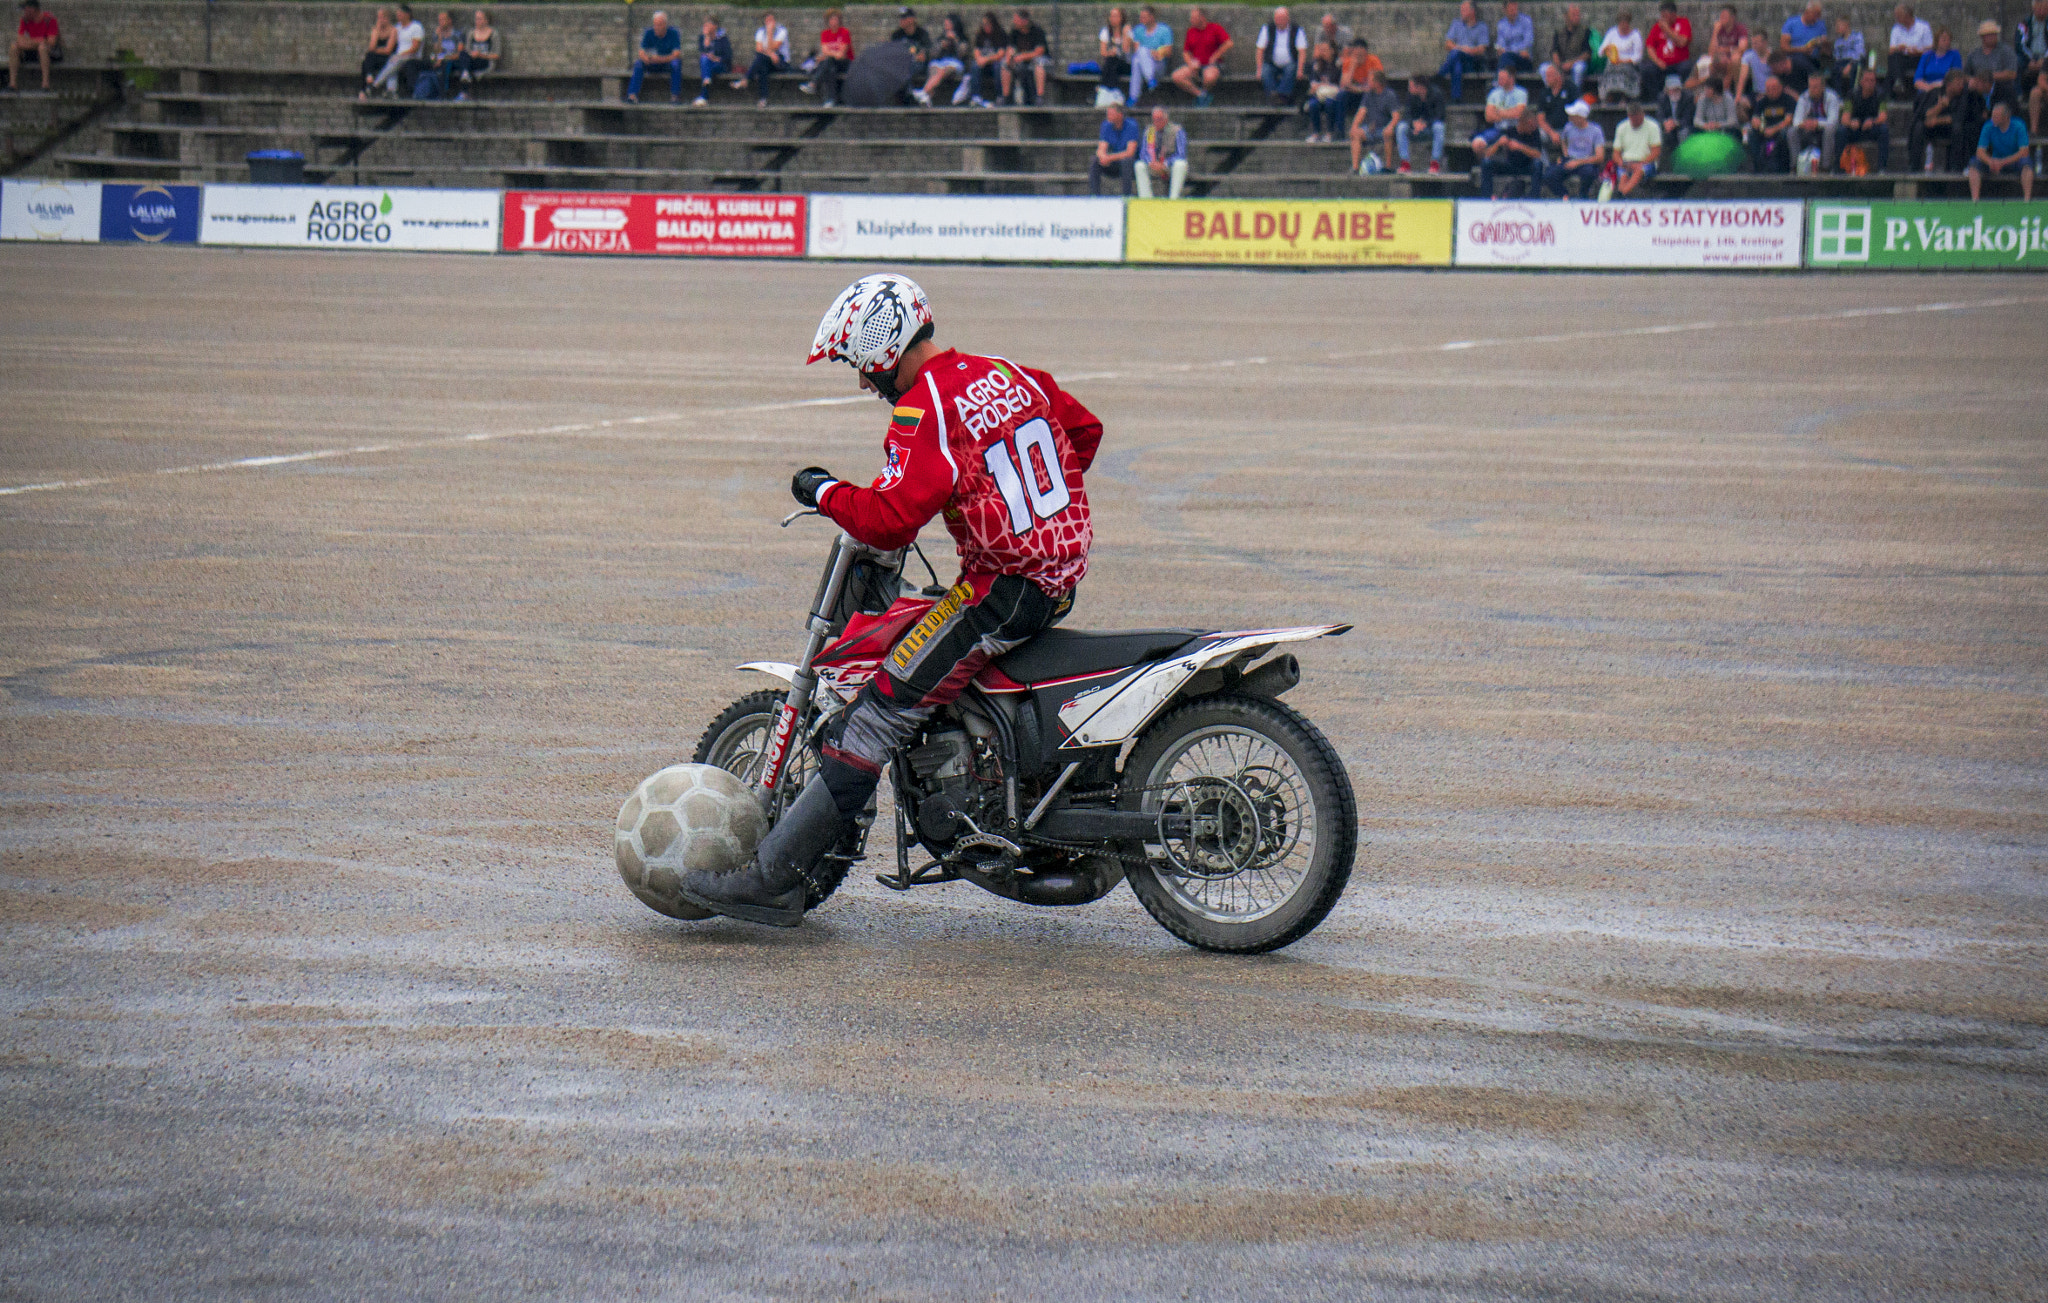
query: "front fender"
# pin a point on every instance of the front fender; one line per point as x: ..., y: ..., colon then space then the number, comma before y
x: 1115, y: 712
x: 780, y: 669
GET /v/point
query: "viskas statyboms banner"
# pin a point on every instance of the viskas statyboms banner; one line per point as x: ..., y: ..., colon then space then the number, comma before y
x: 1993, y: 236
x: 343, y: 217
x: 1292, y: 233
x: 967, y: 228
x: 149, y: 214
x: 1745, y: 234
x: 50, y: 210
x: 627, y: 221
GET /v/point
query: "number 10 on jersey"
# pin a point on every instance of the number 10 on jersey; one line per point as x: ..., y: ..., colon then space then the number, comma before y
x: 1019, y: 472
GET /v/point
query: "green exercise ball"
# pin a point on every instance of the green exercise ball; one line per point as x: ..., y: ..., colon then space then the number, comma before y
x: 1707, y: 153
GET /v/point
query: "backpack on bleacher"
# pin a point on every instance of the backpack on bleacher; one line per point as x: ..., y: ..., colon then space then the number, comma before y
x: 1854, y: 162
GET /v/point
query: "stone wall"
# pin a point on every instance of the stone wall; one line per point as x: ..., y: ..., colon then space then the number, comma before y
x: 563, y: 39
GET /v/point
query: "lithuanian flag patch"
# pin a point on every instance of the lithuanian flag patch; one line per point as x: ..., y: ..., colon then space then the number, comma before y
x: 905, y: 419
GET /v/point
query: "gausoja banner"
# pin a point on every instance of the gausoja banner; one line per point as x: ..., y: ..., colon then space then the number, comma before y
x: 1746, y: 234
x: 1291, y: 232
x: 621, y: 221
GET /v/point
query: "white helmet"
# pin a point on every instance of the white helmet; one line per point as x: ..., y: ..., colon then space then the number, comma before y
x: 872, y: 324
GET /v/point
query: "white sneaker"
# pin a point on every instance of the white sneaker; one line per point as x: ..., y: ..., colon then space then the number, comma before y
x: 922, y: 98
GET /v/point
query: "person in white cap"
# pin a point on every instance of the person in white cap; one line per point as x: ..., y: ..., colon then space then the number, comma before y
x: 1585, y: 154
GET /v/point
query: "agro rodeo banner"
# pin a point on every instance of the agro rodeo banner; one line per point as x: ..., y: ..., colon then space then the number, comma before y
x: 350, y: 217
x: 1291, y: 233
x: 1745, y: 234
x: 1875, y: 236
x: 632, y: 222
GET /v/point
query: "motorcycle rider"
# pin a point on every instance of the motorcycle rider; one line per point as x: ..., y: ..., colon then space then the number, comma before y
x: 1000, y: 450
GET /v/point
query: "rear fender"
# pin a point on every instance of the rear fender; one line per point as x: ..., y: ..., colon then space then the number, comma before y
x: 1116, y: 712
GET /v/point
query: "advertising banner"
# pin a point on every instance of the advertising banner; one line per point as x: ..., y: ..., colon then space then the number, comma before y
x: 343, y: 217
x: 1994, y: 236
x: 152, y: 214
x: 703, y: 226
x: 1292, y: 232
x: 968, y: 228
x: 50, y: 210
x: 1746, y: 234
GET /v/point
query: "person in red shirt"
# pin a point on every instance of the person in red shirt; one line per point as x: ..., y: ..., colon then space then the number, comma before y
x: 1667, y: 46
x: 1202, y: 49
x: 36, y: 35
x: 997, y: 449
x: 835, y: 56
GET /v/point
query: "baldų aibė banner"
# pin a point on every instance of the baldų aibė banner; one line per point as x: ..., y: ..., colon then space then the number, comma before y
x: 1999, y: 236
x: 967, y: 228
x: 1738, y: 234
x: 351, y: 217
x: 50, y: 210
x: 636, y: 222
x: 1292, y: 232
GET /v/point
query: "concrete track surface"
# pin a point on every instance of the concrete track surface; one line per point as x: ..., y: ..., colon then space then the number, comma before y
x: 1697, y: 947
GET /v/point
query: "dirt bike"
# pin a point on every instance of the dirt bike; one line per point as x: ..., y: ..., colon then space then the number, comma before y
x: 1161, y: 757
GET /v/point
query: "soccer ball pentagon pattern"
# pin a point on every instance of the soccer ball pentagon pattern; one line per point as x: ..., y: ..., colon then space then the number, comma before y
x: 686, y: 817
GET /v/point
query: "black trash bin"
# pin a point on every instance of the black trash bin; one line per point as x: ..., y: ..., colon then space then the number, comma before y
x: 277, y: 167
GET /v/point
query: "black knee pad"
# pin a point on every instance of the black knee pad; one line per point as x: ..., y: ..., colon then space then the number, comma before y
x: 851, y: 786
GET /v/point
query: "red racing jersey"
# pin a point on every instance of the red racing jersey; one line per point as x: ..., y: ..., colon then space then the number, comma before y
x: 997, y: 447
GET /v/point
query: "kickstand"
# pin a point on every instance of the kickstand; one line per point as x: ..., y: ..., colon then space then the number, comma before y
x: 903, y: 880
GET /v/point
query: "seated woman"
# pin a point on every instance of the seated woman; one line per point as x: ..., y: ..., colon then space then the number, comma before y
x: 991, y: 49
x: 383, y: 40
x: 771, y: 55
x: 479, y: 54
x: 1324, y: 88
x: 1114, y: 43
x: 949, y: 59
x: 835, y: 56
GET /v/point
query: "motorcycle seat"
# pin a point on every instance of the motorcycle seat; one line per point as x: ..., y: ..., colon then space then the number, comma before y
x: 1071, y: 653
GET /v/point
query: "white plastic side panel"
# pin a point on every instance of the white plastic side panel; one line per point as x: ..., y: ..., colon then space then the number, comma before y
x: 1116, y: 711
x: 787, y: 673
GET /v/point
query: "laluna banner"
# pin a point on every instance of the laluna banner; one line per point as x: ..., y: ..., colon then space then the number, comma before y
x: 1292, y: 233
x: 343, y: 217
x: 1993, y: 236
x: 149, y: 214
x: 967, y: 228
x: 1746, y: 234
x: 50, y: 210
x: 703, y: 226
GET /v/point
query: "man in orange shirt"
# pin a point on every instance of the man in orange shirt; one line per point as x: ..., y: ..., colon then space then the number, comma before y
x: 1359, y: 63
x: 36, y: 35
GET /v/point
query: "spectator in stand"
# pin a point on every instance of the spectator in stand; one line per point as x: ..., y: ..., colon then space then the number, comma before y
x: 35, y: 34
x: 911, y: 32
x: 1815, y: 120
x: 1372, y: 123
x: 1622, y: 48
x: 661, y: 49
x: 1714, y: 108
x: 1667, y: 46
x: 1359, y: 64
x: 1864, y: 122
x: 1116, y: 152
x: 396, y: 79
x: 383, y: 40
x: 771, y: 55
x: 1931, y: 73
x: 443, y: 48
x: 835, y: 59
x: 1910, y: 38
x: 1422, y: 111
x: 1729, y: 38
x: 1638, y: 145
x: 1514, y: 39
x: 1755, y: 68
x: 1553, y: 101
x: 1583, y: 147
x: 1324, y: 88
x: 1151, y: 52
x: 1336, y: 33
x: 991, y: 59
x: 2030, y: 37
x: 1972, y: 112
x: 1770, y: 124
x: 1026, y: 64
x: 949, y: 59
x: 1571, y: 45
x: 1505, y: 102
x: 714, y: 59
x: 1202, y: 57
x: 1163, y: 156
x: 1805, y: 38
x: 1850, y: 53
x: 1934, y: 119
x: 480, y: 54
x: 2001, y: 151
x: 1512, y: 151
x: 1467, y: 42
x: 1995, y: 62
x: 1675, y: 110
x: 1113, y: 52
x: 1282, y: 50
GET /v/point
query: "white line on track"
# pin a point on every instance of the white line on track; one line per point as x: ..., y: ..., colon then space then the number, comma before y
x: 1215, y: 364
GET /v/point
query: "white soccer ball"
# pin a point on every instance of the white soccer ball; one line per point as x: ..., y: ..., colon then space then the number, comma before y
x: 686, y: 817
x: 1370, y: 165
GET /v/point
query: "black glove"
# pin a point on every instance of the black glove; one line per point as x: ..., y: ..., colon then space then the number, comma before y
x: 804, y: 485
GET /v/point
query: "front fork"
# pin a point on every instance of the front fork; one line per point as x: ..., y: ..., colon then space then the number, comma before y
x: 799, y: 701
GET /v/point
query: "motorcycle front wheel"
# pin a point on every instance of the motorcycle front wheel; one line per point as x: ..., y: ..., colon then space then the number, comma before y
x: 737, y: 739
x: 1271, y: 831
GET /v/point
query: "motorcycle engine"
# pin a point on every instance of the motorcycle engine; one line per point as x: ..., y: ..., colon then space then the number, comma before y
x: 949, y: 766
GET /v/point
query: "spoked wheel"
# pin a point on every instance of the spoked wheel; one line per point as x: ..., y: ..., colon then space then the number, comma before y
x: 737, y: 740
x: 1270, y: 831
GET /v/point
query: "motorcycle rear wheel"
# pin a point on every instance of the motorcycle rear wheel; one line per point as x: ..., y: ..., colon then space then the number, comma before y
x: 736, y: 739
x: 1276, y: 831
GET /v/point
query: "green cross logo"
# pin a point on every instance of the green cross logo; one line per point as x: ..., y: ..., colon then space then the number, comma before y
x: 1841, y: 234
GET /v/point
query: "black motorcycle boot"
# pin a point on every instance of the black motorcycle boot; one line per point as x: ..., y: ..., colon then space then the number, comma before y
x: 770, y: 888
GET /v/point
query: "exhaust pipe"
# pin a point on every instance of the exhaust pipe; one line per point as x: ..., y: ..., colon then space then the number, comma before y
x: 1273, y: 678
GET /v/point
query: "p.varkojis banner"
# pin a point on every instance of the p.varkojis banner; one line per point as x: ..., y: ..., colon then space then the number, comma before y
x: 1292, y: 233
x: 339, y: 217
x: 969, y: 228
x: 1995, y: 236
x: 1746, y: 234
x: 729, y: 226
x: 50, y: 210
